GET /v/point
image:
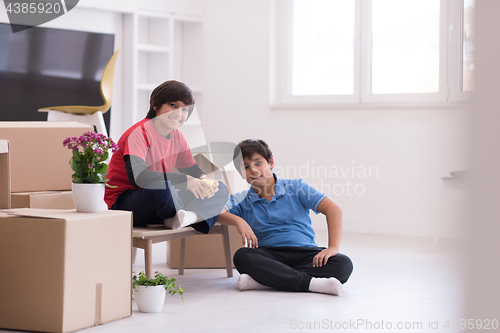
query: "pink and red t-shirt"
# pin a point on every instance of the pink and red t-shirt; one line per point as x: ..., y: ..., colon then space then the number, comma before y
x: 160, y: 154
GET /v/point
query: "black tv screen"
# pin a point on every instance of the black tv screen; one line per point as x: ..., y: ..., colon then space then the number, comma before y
x: 42, y: 67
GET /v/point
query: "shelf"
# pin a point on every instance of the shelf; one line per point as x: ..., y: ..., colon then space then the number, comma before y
x: 146, y: 87
x: 153, y: 68
x: 154, y: 30
x: 153, y: 48
x: 165, y: 47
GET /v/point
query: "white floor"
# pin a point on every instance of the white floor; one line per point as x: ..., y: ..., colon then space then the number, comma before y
x: 396, y: 281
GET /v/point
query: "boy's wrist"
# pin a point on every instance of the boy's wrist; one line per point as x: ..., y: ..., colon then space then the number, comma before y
x: 334, y: 247
x: 238, y: 222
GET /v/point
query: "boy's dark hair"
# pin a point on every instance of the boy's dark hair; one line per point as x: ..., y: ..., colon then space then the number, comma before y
x: 246, y: 149
x: 167, y: 92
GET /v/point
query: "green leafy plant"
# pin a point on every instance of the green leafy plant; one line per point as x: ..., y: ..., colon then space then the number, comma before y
x: 90, y: 152
x: 158, y: 280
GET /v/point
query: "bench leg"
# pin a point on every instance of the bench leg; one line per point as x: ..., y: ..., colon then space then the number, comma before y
x: 148, y: 257
x: 227, y: 250
x: 183, y: 255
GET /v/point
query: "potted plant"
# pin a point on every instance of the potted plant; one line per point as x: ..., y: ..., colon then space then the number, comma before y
x: 150, y: 293
x: 90, y: 152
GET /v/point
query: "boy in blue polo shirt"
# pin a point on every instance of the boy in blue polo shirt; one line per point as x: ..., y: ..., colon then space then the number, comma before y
x: 273, y: 218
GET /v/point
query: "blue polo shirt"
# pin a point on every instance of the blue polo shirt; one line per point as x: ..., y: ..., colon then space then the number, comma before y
x: 283, y: 221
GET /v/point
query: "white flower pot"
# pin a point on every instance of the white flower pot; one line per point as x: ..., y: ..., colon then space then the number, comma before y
x: 88, y: 198
x: 150, y: 299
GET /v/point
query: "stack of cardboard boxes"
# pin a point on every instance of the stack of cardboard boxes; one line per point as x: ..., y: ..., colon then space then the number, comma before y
x: 61, y: 270
x: 40, y: 171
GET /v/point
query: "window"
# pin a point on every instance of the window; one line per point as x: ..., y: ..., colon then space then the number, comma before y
x: 468, y: 45
x: 322, y: 47
x: 372, y: 51
x: 405, y: 47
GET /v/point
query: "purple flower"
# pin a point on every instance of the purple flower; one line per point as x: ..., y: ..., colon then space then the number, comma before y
x: 94, y: 146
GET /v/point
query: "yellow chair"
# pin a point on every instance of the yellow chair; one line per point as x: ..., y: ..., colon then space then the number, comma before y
x: 91, y: 115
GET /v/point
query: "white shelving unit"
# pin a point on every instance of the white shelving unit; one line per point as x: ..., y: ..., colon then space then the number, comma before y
x: 164, y: 47
x: 188, y: 68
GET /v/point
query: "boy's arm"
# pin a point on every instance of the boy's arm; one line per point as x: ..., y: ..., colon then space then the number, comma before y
x: 244, y: 229
x: 333, y: 215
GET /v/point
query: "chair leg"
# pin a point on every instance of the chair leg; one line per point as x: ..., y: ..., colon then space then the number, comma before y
x: 183, y: 255
x: 99, y: 123
x: 227, y: 250
x: 148, y: 257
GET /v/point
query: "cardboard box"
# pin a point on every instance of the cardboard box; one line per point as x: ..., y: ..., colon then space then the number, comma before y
x: 39, y: 162
x: 4, y: 174
x: 62, y: 270
x: 46, y: 200
x: 203, y: 251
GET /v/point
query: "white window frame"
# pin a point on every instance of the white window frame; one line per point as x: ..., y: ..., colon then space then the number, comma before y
x: 449, y: 63
x: 455, y: 46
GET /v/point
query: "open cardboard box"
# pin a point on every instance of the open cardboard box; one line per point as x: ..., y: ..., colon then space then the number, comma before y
x: 39, y: 161
x: 62, y: 270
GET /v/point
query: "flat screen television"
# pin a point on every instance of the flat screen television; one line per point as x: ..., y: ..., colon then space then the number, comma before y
x: 42, y: 67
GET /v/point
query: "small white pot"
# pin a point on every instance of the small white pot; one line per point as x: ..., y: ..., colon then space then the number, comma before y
x: 88, y: 198
x: 150, y: 299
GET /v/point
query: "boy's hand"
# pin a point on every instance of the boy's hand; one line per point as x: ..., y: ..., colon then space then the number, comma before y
x: 322, y: 258
x: 246, y: 232
x: 199, y: 188
x: 215, y: 186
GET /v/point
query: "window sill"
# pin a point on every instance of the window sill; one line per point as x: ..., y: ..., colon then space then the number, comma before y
x: 371, y: 106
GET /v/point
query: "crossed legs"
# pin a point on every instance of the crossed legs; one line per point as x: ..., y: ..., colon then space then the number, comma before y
x: 291, y: 269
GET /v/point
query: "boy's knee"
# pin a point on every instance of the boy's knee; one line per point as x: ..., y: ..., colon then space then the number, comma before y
x: 223, y: 191
x: 241, y: 256
x: 221, y: 195
x: 346, y: 267
x: 157, y: 196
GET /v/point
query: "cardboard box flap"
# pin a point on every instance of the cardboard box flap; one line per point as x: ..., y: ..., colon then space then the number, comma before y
x: 43, y: 124
x: 4, y: 147
x: 5, y: 186
x: 62, y: 214
x: 28, y: 212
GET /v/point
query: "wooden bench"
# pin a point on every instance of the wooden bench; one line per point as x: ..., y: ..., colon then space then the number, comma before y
x: 144, y: 238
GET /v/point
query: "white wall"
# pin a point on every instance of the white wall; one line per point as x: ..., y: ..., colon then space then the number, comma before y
x: 411, y: 148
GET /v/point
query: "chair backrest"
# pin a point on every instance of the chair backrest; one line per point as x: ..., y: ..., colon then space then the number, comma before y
x: 107, y: 80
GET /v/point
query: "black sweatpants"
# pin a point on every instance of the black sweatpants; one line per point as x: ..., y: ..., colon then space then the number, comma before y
x: 289, y: 268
